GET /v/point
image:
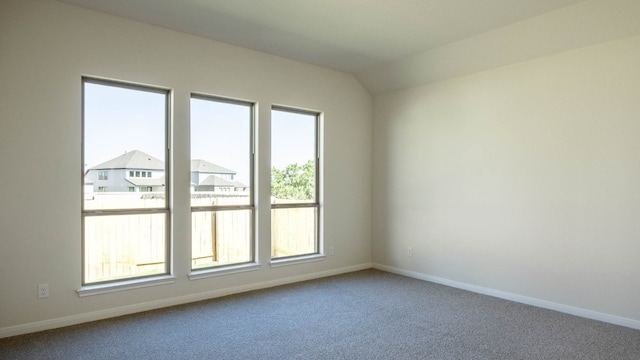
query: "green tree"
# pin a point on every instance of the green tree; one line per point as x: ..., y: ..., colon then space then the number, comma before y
x: 295, y: 182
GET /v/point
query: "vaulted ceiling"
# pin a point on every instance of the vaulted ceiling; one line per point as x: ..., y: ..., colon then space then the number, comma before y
x: 376, y: 40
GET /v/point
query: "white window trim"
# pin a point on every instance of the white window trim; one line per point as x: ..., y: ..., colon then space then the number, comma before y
x: 123, y: 285
x: 294, y: 260
x: 223, y: 270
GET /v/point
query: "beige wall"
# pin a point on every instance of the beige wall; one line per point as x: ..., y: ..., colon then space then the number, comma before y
x: 524, y: 179
x: 45, y: 48
x: 521, y: 180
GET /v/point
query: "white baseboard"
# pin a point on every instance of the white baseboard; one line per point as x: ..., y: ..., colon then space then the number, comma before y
x: 152, y: 305
x: 567, y: 309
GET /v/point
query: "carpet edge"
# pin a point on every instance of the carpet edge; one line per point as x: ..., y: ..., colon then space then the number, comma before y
x: 563, y: 308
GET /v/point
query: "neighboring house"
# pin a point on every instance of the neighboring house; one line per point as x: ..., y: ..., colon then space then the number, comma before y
x: 134, y: 171
x: 216, y: 183
x: 201, y: 169
x: 206, y: 176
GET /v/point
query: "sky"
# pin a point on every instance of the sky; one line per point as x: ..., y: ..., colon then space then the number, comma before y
x: 118, y: 120
x: 221, y: 134
x: 292, y: 138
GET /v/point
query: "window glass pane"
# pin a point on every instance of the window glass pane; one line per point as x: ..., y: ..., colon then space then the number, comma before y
x: 123, y: 246
x: 220, y: 153
x: 293, y: 231
x: 294, y: 179
x: 124, y: 131
x: 293, y: 157
x: 221, y: 237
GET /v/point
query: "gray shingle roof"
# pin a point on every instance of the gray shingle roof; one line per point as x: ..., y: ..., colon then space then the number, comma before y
x: 213, y: 180
x: 238, y: 184
x: 204, y: 166
x: 135, y: 159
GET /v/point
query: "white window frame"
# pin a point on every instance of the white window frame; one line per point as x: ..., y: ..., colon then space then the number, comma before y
x: 316, y: 203
x: 251, y: 264
x: 99, y: 287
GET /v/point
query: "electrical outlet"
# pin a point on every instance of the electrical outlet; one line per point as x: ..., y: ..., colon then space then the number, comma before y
x: 43, y: 291
x: 409, y: 251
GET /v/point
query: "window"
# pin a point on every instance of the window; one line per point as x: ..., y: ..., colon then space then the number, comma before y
x: 124, y: 235
x: 221, y: 160
x: 294, y: 183
x: 137, y: 173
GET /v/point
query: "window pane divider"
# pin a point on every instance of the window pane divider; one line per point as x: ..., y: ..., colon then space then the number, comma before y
x: 107, y: 212
x: 294, y: 205
x: 222, y: 208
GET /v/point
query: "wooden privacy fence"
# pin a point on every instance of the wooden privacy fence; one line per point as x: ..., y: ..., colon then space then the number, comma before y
x: 224, y: 237
x: 293, y: 231
x: 221, y: 237
x: 124, y: 246
x: 135, y: 245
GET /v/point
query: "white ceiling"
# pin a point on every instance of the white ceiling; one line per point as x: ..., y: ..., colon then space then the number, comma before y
x: 354, y: 36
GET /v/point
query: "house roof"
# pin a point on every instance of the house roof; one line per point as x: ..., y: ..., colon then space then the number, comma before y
x: 238, y: 184
x: 137, y: 159
x: 204, y: 166
x: 213, y: 180
x: 134, y: 159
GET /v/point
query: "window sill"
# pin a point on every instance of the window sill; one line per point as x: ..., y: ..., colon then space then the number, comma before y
x: 125, y: 285
x: 220, y: 271
x: 297, y: 260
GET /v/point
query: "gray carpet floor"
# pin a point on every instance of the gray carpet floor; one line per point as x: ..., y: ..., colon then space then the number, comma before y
x: 367, y: 314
